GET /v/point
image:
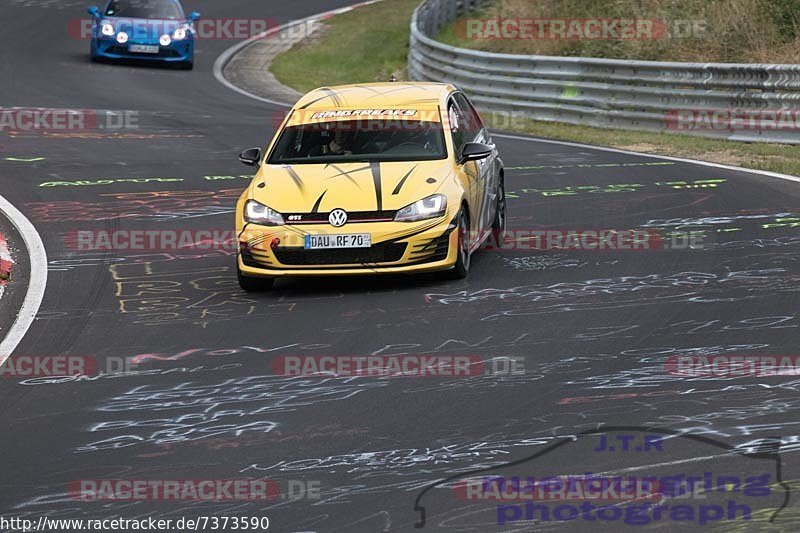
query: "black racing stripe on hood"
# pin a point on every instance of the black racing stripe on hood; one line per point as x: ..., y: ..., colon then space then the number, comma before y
x: 295, y: 178
x: 347, y: 174
x: 403, y: 180
x: 376, y: 178
x: 315, y: 209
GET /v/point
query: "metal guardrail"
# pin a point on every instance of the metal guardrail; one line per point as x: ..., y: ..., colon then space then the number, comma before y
x: 636, y: 95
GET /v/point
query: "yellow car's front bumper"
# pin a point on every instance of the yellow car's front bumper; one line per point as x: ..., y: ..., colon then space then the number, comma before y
x: 397, y: 247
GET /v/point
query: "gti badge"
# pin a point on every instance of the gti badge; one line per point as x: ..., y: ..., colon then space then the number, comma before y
x: 338, y: 218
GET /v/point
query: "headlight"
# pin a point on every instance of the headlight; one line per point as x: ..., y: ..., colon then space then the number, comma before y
x: 122, y: 37
x: 165, y: 40
x: 430, y: 207
x: 179, y: 34
x: 260, y: 214
x: 107, y: 30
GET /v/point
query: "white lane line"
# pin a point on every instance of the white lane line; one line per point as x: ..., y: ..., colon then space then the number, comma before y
x: 225, y: 57
x: 651, y: 156
x: 36, y: 284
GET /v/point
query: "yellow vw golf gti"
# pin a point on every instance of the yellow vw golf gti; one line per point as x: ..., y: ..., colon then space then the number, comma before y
x: 367, y: 179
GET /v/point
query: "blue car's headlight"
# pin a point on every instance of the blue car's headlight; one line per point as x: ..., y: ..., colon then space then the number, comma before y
x: 107, y: 30
x: 430, y: 207
x: 179, y: 34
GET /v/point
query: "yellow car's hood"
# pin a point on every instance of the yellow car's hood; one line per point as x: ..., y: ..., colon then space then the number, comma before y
x: 348, y: 186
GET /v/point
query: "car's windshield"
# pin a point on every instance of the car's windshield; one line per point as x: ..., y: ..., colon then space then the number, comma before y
x: 360, y: 140
x: 145, y: 9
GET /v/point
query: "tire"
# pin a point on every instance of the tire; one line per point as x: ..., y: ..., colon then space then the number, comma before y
x: 253, y: 284
x: 501, y: 214
x: 461, y: 268
x: 186, y: 65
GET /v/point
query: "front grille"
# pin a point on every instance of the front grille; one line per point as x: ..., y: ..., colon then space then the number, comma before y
x: 123, y: 51
x: 355, y: 216
x: 380, y: 253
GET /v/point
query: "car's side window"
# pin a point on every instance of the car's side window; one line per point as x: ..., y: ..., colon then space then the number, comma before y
x: 474, y: 125
x: 458, y: 127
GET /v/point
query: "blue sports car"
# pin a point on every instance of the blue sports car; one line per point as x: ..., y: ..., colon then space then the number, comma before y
x: 155, y: 30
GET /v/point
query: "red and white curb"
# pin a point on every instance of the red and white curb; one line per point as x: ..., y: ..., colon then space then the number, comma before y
x: 37, y: 281
x: 6, y: 262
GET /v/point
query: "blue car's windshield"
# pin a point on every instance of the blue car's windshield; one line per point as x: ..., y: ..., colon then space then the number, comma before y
x: 145, y: 9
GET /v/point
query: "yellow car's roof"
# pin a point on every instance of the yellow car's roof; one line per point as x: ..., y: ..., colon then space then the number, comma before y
x: 367, y: 99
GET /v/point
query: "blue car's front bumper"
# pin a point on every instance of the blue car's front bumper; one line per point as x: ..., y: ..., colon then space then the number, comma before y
x: 175, y: 52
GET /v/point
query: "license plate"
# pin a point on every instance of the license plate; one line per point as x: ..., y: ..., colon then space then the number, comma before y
x: 143, y: 49
x: 323, y: 242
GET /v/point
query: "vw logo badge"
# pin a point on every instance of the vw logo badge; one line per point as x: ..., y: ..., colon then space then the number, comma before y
x: 338, y: 218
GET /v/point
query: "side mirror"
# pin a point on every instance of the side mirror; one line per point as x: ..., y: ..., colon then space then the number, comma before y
x: 251, y: 156
x: 475, y: 152
x: 94, y: 11
x: 194, y: 15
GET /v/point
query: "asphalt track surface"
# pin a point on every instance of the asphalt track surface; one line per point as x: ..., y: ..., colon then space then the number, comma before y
x: 593, y: 329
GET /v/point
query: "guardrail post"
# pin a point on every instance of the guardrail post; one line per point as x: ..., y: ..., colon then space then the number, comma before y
x: 428, y: 21
x: 437, y: 17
